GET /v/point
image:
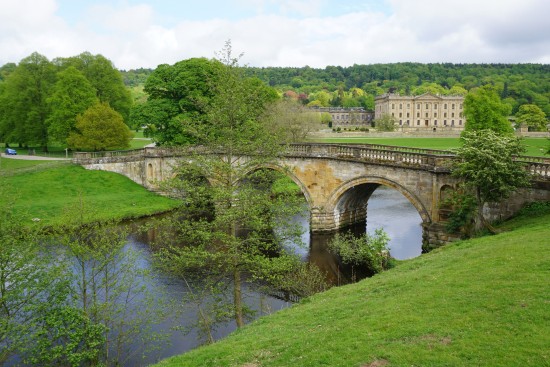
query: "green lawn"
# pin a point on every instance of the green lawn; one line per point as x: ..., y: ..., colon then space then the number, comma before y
x: 46, y: 189
x: 535, y: 146
x: 482, y: 302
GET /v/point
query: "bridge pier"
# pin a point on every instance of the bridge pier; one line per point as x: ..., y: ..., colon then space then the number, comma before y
x: 332, y: 221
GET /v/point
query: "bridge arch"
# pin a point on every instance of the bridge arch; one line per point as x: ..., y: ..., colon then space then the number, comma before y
x: 350, y: 206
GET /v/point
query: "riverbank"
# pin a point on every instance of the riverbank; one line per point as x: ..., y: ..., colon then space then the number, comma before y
x: 44, y: 190
x: 481, y: 302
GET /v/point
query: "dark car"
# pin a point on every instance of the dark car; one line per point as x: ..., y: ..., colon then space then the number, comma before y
x: 10, y: 151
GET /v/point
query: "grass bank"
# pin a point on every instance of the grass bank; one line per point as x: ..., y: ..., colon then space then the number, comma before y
x: 45, y: 190
x: 535, y: 146
x: 482, y: 302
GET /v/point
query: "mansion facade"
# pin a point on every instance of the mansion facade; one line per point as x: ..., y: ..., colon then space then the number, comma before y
x: 348, y: 117
x: 423, y: 112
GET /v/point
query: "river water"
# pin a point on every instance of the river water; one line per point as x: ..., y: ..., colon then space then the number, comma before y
x: 387, y: 209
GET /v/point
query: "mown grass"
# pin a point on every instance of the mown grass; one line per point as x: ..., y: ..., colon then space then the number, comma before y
x: 535, y: 146
x: 482, y: 302
x: 46, y: 190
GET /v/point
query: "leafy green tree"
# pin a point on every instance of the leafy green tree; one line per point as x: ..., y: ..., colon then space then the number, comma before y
x: 532, y: 116
x: 24, y: 108
x: 33, y: 296
x: 178, y: 94
x: 100, y: 128
x: 105, y: 78
x: 486, y: 164
x: 224, y: 181
x: 484, y: 110
x: 71, y: 95
x: 385, y: 123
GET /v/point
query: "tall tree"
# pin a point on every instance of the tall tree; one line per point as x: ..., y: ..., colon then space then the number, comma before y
x: 71, y: 95
x: 25, y: 111
x: 105, y: 78
x: 486, y: 164
x: 484, y: 110
x: 100, y: 128
x: 225, y: 179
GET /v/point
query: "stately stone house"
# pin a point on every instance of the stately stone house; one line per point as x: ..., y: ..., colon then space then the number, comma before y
x: 423, y: 112
x: 348, y: 118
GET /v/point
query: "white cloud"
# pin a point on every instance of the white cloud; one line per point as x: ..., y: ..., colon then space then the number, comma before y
x: 422, y: 30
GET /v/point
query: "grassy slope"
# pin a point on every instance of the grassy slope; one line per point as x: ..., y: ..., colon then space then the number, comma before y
x: 483, y: 302
x: 45, y: 189
x: 535, y: 146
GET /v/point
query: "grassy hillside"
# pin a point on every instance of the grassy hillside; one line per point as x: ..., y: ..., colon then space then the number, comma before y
x: 45, y: 189
x: 482, y: 302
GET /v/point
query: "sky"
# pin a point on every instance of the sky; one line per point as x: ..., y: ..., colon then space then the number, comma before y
x: 316, y: 33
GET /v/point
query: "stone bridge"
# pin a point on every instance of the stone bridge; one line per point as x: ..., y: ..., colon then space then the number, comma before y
x: 338, y: 180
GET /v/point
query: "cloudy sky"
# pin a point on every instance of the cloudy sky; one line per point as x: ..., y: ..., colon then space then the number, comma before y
x: 146, y: 33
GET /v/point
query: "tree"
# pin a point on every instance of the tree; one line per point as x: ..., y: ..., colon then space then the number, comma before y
x: 486, y: 164
x: 178, y: 94
x: 71, y: 95
x: 230, y: 209
x: 291, y: 120
x: 105, y: 78
x: 24, y: 108
x: 484, y: 110
x: 532, y: 116
x: 36, y: 322
x: 385, y: 123
x: 100, y: 128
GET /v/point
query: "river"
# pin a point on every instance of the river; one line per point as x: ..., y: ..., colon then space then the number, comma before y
x: 387, y: 209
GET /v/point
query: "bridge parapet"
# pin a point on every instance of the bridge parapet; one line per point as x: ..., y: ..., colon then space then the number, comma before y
x: 430, y: 161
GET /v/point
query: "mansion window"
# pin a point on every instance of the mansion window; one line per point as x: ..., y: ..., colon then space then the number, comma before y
x: 418, y: 106
x: 453, y: 114
x: 453, y: 106
x: 426, y: 114
x: 418, y: 122
x: 435, y: 122
x: 445, y: 106
x: 400, y: 114
x: 401, y: 106
x: 445, y: 122
x: 427, y: 106
x: 408, y: 114
x: 393, y: 106
x: 460, y: 122
x: 444, y: 114
x: 435, y: 114
x: 418, y: 114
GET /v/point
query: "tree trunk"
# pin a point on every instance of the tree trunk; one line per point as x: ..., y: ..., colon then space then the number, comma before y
x: 484, y: 222
x: 238, y: 298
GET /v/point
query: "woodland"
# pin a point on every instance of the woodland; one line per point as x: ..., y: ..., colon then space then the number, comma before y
x: 357, y: 85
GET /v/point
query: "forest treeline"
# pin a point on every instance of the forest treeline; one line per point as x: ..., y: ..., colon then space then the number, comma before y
x: 357, y: 85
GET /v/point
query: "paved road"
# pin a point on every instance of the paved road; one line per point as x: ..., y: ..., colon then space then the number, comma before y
x: 32, y: 157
